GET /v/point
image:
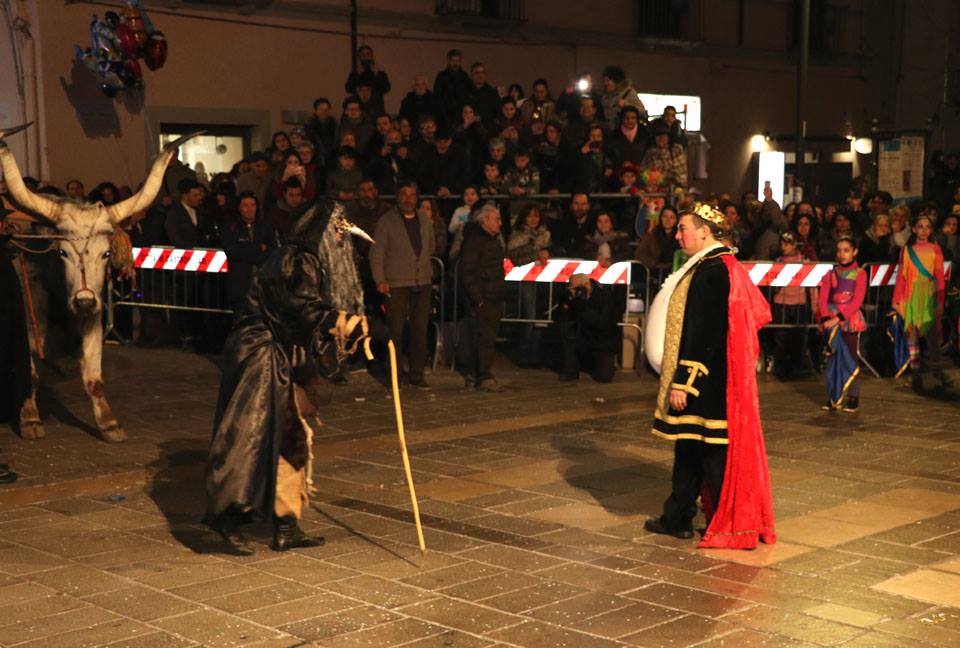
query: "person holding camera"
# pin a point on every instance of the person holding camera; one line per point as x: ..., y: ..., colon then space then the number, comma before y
x: 369, y: 73
x: 588, y: 326
x: 594, y: 168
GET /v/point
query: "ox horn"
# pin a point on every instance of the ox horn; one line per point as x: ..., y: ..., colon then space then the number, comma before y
x: 11, y: 174
x: 148, y: 193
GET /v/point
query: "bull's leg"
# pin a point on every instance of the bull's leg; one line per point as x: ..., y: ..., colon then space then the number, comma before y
x: 90, y: 363
x: 30, y: 425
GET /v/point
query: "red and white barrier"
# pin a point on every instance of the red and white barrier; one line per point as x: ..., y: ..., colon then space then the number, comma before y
x: 560, y: 271
x: 807, y: 275
x: 885, y: 274
x: 762, y: 273
x: 164, y: 258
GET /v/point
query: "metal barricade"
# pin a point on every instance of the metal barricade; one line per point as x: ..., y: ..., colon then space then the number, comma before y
x: 535, y: 303
x: 169, y: 279
x: 173, y: 284
x: 878, y: 301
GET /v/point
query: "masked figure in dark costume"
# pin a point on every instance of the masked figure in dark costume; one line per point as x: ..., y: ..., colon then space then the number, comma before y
x: 304, y: 309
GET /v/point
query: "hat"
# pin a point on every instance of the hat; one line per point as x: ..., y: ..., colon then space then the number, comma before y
x: 789, y: 237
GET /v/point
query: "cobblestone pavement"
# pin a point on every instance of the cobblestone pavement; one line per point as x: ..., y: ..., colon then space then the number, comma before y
x: 533, y: 503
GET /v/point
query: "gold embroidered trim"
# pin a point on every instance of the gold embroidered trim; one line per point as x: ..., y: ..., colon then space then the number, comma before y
x: 694, y: 365
x: 691, y: 419
x: 689, y: 388
x: 674, y: 327
x: 692, y: 437
x: 671, y: 338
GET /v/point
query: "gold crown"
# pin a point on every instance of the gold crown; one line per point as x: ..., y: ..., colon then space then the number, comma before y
x: 708, y: 213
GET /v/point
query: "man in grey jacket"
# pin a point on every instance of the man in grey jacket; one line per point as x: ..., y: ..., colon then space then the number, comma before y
x: 401, y: 267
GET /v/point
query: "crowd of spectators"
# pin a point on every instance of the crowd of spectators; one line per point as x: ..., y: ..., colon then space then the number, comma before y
x: 586, y: 174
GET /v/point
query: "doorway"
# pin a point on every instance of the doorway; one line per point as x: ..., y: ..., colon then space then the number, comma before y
x: 216, y: 151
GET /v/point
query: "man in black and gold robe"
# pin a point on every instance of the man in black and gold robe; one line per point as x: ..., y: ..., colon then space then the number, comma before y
x: 304, y: 309
x: 691, y: 404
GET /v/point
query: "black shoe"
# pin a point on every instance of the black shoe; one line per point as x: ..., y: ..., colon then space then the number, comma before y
x: 225, y: 525
x: 287, y: 534
x: 852, y: 404
x: 7, y: 476
x: 828, y: 407
x: 421, y: 384
x: 655, y: 525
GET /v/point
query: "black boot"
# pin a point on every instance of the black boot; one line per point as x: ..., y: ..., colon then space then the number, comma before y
x: 916, y: 382
x: 852, y: 404
x: 287, y: 534
x: 226, y: 525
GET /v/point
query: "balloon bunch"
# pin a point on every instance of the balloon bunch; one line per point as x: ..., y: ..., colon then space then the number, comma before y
x: 118, y: 41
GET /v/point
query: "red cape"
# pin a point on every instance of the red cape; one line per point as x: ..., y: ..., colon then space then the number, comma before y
x: 744, y: 515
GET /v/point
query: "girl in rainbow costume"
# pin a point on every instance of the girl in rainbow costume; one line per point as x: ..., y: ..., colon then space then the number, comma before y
x: 918, y: 299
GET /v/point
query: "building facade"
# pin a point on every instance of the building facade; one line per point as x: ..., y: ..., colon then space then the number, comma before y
x: 245, y: 68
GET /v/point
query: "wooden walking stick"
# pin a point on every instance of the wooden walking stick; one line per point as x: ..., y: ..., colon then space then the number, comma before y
x: 403, y: 442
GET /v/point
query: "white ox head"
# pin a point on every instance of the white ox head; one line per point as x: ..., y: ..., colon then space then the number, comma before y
x: 84, y: 230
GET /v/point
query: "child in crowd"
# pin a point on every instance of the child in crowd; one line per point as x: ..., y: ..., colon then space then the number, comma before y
x: 344, y: 183
x: 841, y: 295
x: 918, y: 297
x: 492, y: 180
x: 461, y: 215
x: 628, y: 179
x: 522, y: 179
x: 790, y: 306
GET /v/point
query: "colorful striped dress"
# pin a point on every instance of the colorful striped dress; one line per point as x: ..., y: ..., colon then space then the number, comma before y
x: 841, y: 295
x: 920, y: 286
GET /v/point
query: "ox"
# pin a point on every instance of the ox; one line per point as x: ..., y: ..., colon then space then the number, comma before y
x: 83, y: 234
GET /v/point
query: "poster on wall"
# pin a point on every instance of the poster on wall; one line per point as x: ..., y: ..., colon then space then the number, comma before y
x: 900, y: 167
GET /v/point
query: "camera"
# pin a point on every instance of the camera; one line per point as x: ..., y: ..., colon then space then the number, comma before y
x: 580, y: 292
x: 595, y: 146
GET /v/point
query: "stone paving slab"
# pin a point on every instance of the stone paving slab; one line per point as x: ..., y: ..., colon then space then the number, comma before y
x: 533, y: 502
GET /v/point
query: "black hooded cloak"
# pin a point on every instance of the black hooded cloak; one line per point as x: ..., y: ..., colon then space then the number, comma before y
x: 293, y: 304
